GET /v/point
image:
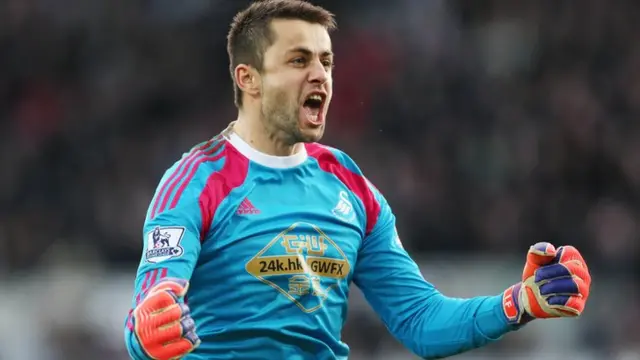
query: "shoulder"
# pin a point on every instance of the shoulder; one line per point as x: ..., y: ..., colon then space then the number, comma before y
x: 203, y: 156
x: 196, y: 164
x: 328, y: 156
x: 188, y: 177
x: 343, y: 167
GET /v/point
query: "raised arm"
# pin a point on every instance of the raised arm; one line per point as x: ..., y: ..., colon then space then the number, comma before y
x: 424, y: 320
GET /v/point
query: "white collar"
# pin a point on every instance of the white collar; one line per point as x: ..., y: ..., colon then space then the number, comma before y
x: 278, y: 162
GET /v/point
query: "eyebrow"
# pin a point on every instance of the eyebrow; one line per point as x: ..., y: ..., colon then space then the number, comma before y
x: 308, y: 52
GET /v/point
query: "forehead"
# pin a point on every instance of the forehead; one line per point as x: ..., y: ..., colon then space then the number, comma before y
x: 291, y: 34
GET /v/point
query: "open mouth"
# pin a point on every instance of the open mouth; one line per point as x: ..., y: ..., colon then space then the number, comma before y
x: 313, y: 107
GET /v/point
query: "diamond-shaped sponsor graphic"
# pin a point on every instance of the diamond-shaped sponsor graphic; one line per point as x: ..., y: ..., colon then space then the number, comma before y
x: 303, y: 264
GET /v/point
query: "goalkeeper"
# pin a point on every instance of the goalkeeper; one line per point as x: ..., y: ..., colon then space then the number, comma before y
x: 253, y: 238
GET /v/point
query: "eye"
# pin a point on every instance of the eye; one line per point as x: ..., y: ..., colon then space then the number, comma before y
x: 328, y: 63
x: 299, y: 61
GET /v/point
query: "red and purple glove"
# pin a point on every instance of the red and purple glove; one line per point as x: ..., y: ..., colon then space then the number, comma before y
x: 555, y: 283
x: 162, y: 324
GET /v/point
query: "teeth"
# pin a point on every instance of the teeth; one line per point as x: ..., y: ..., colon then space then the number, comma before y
x: 315, y: 97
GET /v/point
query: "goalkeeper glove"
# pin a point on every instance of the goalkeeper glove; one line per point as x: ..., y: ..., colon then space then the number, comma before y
x: 555, y: 283
x: 162, y: 325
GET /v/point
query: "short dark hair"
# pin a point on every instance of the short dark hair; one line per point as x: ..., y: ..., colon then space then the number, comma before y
x: 250, y: 34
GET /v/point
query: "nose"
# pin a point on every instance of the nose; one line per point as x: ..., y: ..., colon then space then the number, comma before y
x: 318, y: 73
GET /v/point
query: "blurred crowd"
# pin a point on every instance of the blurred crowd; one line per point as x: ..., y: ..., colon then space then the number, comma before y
x: 489, y: 125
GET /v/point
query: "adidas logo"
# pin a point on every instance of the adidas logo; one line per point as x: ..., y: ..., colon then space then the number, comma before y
x: 246, y: 207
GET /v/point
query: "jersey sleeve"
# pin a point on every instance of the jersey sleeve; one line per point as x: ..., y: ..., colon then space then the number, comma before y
x: 171, y: 240
x: 424, y: 320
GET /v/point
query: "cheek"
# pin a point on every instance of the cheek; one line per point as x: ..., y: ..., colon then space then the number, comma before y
x: 329, y: 85
x: 279, y: 88
x: 329, y: 90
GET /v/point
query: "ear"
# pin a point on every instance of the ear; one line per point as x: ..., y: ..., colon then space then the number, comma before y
x: 247, y: 79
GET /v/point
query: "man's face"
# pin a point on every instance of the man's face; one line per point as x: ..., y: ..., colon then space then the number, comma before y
x: 296, y: 81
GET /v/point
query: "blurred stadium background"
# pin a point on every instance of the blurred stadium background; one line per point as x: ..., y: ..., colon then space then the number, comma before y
x: 489, y: 125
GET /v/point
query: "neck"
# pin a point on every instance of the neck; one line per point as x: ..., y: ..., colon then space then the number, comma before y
x: 252, y: 130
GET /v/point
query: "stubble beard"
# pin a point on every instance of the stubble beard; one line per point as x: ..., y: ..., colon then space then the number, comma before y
x: 281, y: 120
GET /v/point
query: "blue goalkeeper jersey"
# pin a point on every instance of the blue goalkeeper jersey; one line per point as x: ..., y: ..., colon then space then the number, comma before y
x: 270, y: 246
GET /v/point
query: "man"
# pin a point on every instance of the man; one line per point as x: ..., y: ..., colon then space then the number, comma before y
x: 270, y: 228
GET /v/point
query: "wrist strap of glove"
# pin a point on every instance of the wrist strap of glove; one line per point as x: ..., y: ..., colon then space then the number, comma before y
x: 512, y: 307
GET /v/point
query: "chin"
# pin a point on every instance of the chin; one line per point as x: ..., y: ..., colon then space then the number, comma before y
x: 311, y: 135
